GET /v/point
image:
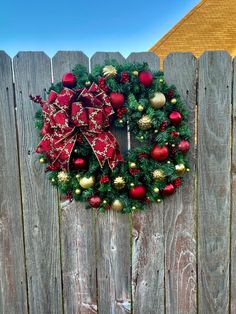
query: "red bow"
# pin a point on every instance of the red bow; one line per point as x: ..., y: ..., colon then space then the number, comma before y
x: 68, y: 115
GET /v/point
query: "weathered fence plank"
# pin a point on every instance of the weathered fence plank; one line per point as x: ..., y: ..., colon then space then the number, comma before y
x: 233, y: 222
x: 113, y: 240
x: 214, y: 163
x: 148, y: 240
x: 77, y: 227
x: 179, y: 217
x: 13, y: 298
x: 40, y: 204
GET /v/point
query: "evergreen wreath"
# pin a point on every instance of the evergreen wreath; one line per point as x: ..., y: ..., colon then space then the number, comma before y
x: 82, y: 155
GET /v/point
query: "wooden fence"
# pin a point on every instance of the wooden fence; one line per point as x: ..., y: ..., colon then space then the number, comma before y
x: 62, y: 258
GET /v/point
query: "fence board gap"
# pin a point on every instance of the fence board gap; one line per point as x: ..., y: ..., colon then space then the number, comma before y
x: 40, y: 207
x: 77, y: 226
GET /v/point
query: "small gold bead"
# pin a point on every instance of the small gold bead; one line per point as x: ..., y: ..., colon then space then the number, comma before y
x: 140, y: 108
x: 120, y: 121
x: 53, y: 180
x: 161, y: 80
x: 77, y: 191
x: 168, y: 162
x: 187, y: 169
x: 158, y: 200
x: 104, y: 202
x: 133, y: 207
x: 42, y: 160
x: 173, y: 145
x: 141, y: 137
x: 155, y: 131
x: 88, y: 83
x: 156, y: 190
x: 132, y: 165
x: 77, y: 176
x: 173, y: 101
x: 135, y: 73
x: 131, y: 184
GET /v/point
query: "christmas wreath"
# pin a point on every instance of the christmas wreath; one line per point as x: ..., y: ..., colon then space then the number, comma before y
x: 82, y: 155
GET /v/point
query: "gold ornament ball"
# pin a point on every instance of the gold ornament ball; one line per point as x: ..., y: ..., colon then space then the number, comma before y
x: 117, y: 205
x: 145, y: 123
x: 109, y: 70
x: 63, y: 177
x: 135, y: 73
x: 158, y: 175
x: 42, y: 160
x: 77, y: 191
x: 158, y: 101
x: 87, y: 183
x: 119, y: 183
x: 180, y: 169
x: 156, y: 190
x: 132, y: 165
x: 88, y: 83
x: 140, y: 108
x: 173, y: 101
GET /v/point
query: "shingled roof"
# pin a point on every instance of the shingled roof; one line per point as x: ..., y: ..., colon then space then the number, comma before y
x: 210, y: 25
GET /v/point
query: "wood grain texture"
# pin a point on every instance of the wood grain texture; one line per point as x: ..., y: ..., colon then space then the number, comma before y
x: 148, y: 57
x: 113, y: 240
x: 77, y: 227
x: 65, y: 61
x: 233, y: 222
x: 180, y: 214
x: 147, y: 240
x: 13, y: 296
x: 214, y: 163
x: 40, y: 205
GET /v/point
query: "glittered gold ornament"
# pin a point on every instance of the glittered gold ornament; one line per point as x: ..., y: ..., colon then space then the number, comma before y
x: 109, y: 70
x: 140, y: 108
x: 77, y: 191
x: 119, y: 183
x: 156, y: 190
x: 87, y: 183
x: 63, y: 177
x: 158, y: 175
x: 132, y: 165
x: 42, y: 160
x: 135, y: 73
x: 158, y: 100
x: 180, y: 169
x: 117, y: 205
x: 173, y: 101
x: 145, y: 123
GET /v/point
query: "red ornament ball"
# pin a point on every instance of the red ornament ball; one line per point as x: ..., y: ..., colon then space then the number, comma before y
x: 145, y: 78
x: 175, y: 117
x: 117, y: 100
x: 184, y: 146
x: 79, y: 163
x: 159, y: 153
x: 69, y: 80
x: 95, y: 201
x: 168, y: 189
x: 52, y: 96
x: 138, y: 192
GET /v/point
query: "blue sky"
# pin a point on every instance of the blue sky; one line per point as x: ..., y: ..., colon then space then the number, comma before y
x: 90, y: 26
